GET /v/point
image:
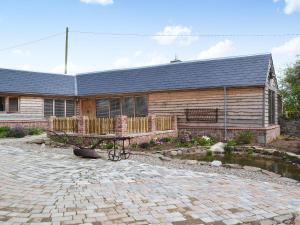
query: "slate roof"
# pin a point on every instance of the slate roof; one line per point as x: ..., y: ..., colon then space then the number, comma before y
x: 235, y: 71
x: 17, y: 81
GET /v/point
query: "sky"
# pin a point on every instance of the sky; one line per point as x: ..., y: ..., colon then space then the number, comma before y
x: 189, y: 29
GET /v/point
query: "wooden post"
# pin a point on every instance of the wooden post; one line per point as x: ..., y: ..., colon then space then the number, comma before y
x: 82, y: 124
x: 174, y: 122
x: 152, y: 122
x: 51, y: 123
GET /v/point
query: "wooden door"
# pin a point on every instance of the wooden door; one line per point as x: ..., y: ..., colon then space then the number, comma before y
x: 89, y: 108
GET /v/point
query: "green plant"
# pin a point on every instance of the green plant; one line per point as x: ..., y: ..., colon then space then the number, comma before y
x: 17, y: 132
x: 231, y: 142
x: 152, y: 143
x: 245, y: 137
x: 203, y: 141
x: 145, y: 145
x: 4, y: 131
x: 134, y: 146
x: 228, y: 149
x: 109, y: 145
x: 184, y: 144
x: 166, y: 139
x: 34, y: 131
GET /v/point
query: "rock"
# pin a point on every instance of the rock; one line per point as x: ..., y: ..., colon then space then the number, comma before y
x: 37, y: 141
x: 283, y: 218
x: 267, y: 222
x: 218, y: 147
x: 216, y: 163
x: 191, y: 162
x: 164, y: 158
x: 271, y: 174
x: 233, y: 166
x: 251, y: 168
x: 43, y: 145
x: 179, y: 152
x: 173, y: 153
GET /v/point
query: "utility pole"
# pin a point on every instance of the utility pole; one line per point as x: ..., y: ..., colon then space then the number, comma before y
x: 66, y: 50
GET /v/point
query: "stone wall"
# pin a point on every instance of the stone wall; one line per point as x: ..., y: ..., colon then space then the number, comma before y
x: 262, y: 135
x: 290, y: 126
x: 25, y: 123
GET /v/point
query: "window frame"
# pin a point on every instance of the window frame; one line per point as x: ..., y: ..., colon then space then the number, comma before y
x: 18, y: 104
x: 4, y: 105
x: 65, y: 106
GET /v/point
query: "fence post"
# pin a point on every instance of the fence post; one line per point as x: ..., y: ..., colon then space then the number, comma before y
x: 121, y: 123
x: 152, y: 122
x: 174, y: 122
x: 51, y: 123
x: 82, y: 124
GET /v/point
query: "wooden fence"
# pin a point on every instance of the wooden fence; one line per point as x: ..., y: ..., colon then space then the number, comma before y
x: 69, y: 125
x: 138, y: 125
x: 99, y: 126
x: 163, y: 123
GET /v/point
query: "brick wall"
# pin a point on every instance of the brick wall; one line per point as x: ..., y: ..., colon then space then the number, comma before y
x: 25, y: 123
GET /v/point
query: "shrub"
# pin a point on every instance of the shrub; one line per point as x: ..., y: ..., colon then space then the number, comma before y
x: 17, y: 132
x: 204, y: 141
x: 184, y: 144
x: 4, y: 131
x: 245, y: 137
x: 109, y: 145
x: 166, y: 139
x: 231, y: 142
x: 34, y: 131
x: 144, y: 145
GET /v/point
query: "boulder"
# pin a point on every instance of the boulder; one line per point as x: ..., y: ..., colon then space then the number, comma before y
x: 297, y: 220
x: 173, y: 153
x: 267, y: 222
x: 233, y: 166
x: 271, y: 174
x: 216, y: 163
x: 283, y: 218
x: 218, y: 147
x: 164, y: 158
x: 252, y: 168
x: 179, y: 152
x: 43, y: 145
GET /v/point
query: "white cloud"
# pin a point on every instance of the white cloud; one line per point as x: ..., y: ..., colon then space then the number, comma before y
x: 138, y: 53
x: 291, y: 6
x: 175, y: 34
x: 220, y: 49
x: 122, y: 62
x: 290, y: 47
x: 21, y: 52
x: 101, y: 2
x: 72, y: 69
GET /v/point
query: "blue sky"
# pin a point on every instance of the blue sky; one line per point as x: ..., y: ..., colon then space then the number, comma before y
x: 23, y: 21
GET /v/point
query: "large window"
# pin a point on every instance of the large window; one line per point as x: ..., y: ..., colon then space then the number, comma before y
x: 128, y: 106
x: 141, y: 106
x: 2, y: 104
x: 271, y: 103
x: 13, y: 104
x: 102, y: 108
x: 59, y: 107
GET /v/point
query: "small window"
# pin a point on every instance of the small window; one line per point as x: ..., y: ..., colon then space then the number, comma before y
x: 115, y: 107
x: 13, y: 104
x: 48, y: 107
x: 128, y: 106
x: 102, y: 108
x: 271, y: 102
x: 202, y: 115
x: 141, y: 106
x: 70, y: 108
x: 59, y: 107
x: 2, y: 104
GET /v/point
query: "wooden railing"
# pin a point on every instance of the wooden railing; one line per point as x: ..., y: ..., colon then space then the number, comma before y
x: 138, y: 125
x: 99, y: 126
x: 163, y: 123
x: 69, y: 125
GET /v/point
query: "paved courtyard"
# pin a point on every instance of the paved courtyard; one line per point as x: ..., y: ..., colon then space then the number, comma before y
x: 44, y: 187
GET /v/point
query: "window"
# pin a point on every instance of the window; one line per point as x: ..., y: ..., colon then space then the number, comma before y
x: 115, y: 107
x: 59, y: 107
x: 128, y: 106
x: 141, y: 106
x: 13, y: 104
x: 2, y: 104
x: 271, y: 103
x: 70, y: 108
x: 48, y: 107
x: 102, y: 108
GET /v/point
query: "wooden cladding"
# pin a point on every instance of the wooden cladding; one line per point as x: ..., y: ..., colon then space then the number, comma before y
x: 99, y: 126
x: 138, y: 125
x: 163, y: 123
x: 202, y: 115
x: 68, y: 125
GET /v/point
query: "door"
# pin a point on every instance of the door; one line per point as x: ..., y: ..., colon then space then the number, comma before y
x: 89, y: 108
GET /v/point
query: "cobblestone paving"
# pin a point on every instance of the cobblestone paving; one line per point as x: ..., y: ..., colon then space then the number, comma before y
x: 44, y: 187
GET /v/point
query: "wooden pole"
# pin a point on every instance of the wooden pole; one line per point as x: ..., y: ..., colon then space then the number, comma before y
x: 66, y: 50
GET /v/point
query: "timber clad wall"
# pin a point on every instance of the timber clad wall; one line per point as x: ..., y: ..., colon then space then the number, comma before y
x: 244, y: 106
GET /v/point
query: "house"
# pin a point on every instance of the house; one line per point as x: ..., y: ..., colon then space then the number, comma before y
x: 218, y: 97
